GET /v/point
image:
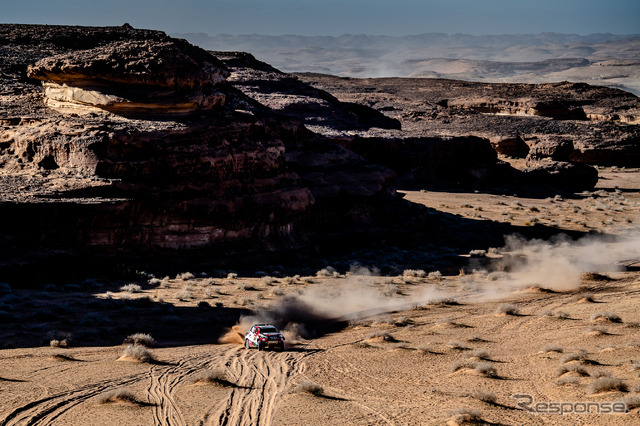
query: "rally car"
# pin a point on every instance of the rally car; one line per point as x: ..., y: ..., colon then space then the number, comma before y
x: 264, y: 336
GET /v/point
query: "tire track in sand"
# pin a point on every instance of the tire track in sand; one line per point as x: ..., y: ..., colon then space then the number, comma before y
x: 46, y: 410
x: 261, y: 377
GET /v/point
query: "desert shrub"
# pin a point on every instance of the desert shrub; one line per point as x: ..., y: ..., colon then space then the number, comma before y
x: 185, y: 276
x: 465, y: 415
x: 600, y: 373
x: 143, y: 339
x: 449, y: 301
x: 476, y: 339
x: 607, y: 384
x: 185, y: 293
x: 381, y: 335
x: 568, y: 381
x: 572, y: 368
x: 485, y: 396
x: 435, y: 275
x: 55, y: 343
x: 507, y: 309
x: 605, y: 316
x: 154, y: 281
x: 575, y: 356
x: 267, y: 280
x: 326, y: 272
x: 131, y: 288
x: 478, y: 253
x: 594, y: 276
x: 414, y: 273
x: 486, y: 369
x: 309, y: 388
x: 457, y: 345
x: 600, y: 331
x: 631, y: 402
x: 551, y: 348
x: 391, y: 290
x: 246, y: 287
x: 203, y: 305
x: 139, y: 353
x: 213, y: 377
x: 402, y: 322
x: 480, y: 354
x: 425, y: 350
x: 232, y: 276
x: 458, y: 365
x: 118, y: 395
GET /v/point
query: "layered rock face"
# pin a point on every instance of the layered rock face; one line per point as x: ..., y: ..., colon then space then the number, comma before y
x: 135, y: 149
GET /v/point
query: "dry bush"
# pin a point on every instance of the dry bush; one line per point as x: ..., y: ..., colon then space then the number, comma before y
x: 449, y: 301
x: 138, y: 353
x: 154, y: 281
x: 507, y: 309
x: 381, y: 335
x: 575, y: 356
x: 414, y: 273
x: 459, y: 365
x: 485, y: 396
x: 213, y: 378
x: 606, y: 316
x: 551, y: 348
x: 600, y: 373
x: 480, y: 354
x: 464, y: 415
x: 478, y: 253
x: 631, y: 402
x: 435, y: 275
x: 232, y: 276
x: 118, y: 395
x: 309, y: 388
x: 594, y: 276
x: 457, y: 345
x: 572, y: 368
x: 486, y: 369
x: 142, y: 339
x: 607, y: 384
x: 476, y: 339
x: 568, y: 381
x: 402, y: 321
x: 246, y: 287
x: 425, y: 350
x: 267, y: 280
x: 597, y: 331
x: 131, y: 288
x: 585, y: 298
x: 326, y: 272
x: 185, y: 294
x: 185, y: 276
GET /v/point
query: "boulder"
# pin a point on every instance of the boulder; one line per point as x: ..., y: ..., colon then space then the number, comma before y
x: 561, y: 174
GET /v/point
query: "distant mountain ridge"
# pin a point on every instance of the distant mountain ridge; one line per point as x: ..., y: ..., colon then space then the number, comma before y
x: 602, y: 59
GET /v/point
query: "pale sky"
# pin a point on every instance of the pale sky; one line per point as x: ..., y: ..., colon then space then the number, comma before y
x: 337, y: 17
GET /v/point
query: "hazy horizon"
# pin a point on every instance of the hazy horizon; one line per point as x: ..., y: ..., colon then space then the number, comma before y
x: 339, y: 17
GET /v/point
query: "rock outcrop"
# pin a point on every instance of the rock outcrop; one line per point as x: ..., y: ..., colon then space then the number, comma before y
x: 137, y: 150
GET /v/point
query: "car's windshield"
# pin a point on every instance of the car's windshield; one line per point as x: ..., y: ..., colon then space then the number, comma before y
x: 268, y: 330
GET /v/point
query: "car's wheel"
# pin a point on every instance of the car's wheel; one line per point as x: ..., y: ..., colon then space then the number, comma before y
x: 247, y: 344
x: 261, y: 346
x: 280, y: 347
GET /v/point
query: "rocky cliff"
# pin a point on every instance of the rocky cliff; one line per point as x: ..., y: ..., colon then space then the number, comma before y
x: 128, y: 146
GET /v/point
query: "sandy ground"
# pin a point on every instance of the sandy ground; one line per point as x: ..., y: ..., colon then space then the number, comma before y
x: 419, y: 348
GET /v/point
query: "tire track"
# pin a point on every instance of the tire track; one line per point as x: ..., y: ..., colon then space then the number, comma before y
x: 261, y: 378
x: 46, y: 410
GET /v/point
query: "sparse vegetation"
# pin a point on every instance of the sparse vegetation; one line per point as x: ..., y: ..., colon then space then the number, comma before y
x: 597, y: 331
x: 466, y: 415
x: 214, y: 378
x: 507, y: 309
x: 131, y: 288
x: 142, y: 339
x: 137, y: 353
x: 310, y: 388
x: 551, y: 348
x: 435, y: 275
x: 486, y: 369
x: 568, y: 380
x: 480, y: 354
x: 606, y: 316
x: 594, y: 276
x: 456, y: 345
x: 185, y: 276
x: 414, y: 273
x: 118, y: 395
x: 572, y: 368
x: 607, y: 384
x: 485, y: 396
x: 600, y: 373
x: 382, y: 336
x: 580, y: 356
x: 631, y: 402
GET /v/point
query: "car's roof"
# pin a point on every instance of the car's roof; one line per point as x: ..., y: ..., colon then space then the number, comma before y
x: 263, y: 325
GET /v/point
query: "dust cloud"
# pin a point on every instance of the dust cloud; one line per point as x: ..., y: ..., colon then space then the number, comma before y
x: 555, y: 265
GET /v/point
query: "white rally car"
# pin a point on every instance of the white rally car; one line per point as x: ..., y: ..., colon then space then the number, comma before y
x: 263, y: 336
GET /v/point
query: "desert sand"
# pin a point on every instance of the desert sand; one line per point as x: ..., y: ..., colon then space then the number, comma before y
x: 421, y: 347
